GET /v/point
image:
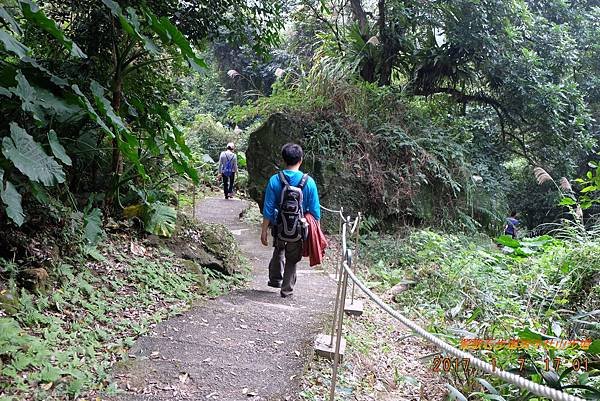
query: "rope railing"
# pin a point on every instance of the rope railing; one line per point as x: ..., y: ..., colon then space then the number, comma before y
x: 344, y: 273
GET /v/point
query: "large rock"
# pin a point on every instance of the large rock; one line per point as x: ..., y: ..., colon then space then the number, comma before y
x: 208, y: 245
x: 221, y: 249
x: 337, y: 186
x: 35, y: 280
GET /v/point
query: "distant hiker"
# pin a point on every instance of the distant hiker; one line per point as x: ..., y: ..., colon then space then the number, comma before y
x: 227, y: 169
x: 511, y: 225
x: 289, y: 195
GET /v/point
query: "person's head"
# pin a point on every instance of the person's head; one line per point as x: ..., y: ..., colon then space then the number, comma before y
x: 292, y: 154
x: 230, y: 146
x: 513, y: 214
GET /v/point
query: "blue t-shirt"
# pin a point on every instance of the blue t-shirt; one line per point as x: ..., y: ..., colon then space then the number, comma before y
x: 511, y: 224
x: 310, y: 195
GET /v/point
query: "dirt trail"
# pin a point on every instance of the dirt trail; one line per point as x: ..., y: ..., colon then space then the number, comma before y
x: 248, y: 345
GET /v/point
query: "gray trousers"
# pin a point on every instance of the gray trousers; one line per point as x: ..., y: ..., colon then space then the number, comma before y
x: 282, y: 268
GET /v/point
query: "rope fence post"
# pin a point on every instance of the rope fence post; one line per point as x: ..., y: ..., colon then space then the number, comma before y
x: 336, y: 357
x: 356, y: 240
x: 340, y: 231
x: 338, y: 304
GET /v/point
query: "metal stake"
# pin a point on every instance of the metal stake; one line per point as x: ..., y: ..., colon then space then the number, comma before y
x: 356, y: 242
x: 336, y: 357
x: 339, y: 306
x: 340, y: 232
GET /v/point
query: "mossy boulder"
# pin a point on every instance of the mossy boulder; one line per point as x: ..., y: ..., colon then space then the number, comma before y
x: 220, y: 243
x: 35, y: 280
x: 9, y: 302
x: 337, y: 185
x: 211, y: 246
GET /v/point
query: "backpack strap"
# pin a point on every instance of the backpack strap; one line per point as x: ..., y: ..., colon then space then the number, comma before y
x: 282, y: 178
x: 303, y: 181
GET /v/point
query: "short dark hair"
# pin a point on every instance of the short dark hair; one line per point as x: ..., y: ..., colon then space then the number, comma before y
x: 513, y: 214
x: 291, y: 153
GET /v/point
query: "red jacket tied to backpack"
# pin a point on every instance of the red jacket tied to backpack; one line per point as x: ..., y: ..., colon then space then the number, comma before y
x: 316, y: 244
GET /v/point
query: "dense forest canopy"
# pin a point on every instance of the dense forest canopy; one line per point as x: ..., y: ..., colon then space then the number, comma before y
x: 511, y: 84
x: 89, y: 81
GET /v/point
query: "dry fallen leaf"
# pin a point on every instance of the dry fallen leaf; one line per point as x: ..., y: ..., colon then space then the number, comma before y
x: 137, y: 250
x: 46, y: 386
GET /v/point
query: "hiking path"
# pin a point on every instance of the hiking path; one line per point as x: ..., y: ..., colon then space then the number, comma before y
x: 250, y: 344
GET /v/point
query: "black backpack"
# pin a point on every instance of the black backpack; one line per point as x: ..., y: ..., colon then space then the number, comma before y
x: 290, y: 224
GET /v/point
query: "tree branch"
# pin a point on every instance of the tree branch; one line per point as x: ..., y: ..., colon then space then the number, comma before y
x: 136, y: 67
x: 498, y: 107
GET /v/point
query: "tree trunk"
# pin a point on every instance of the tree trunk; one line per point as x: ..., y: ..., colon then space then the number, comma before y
x: 387, y: 58
x: 117, y: 157
x: 360, y: 16
x: 368, y: 68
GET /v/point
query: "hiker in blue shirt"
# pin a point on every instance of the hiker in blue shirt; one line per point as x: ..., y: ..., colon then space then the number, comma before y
x: 287, y: 254
x: 511, y: 225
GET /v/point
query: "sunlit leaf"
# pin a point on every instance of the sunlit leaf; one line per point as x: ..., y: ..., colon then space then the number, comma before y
x: 454, y: 394
x: 160, y: 219
x: 508, y: 241
x: 590, y: 188
x: 594, y: 347
x: 12, y: 45
x: 529, y: 334
x: 491, y: 389
x: 29, y: 157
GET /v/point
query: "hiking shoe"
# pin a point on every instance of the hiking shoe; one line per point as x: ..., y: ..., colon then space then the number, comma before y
x: 274, y: 285
x: 283, y: 295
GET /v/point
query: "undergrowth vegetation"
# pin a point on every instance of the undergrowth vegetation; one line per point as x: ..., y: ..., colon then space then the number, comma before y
x: 61, y: 342
x: 472, y: 287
